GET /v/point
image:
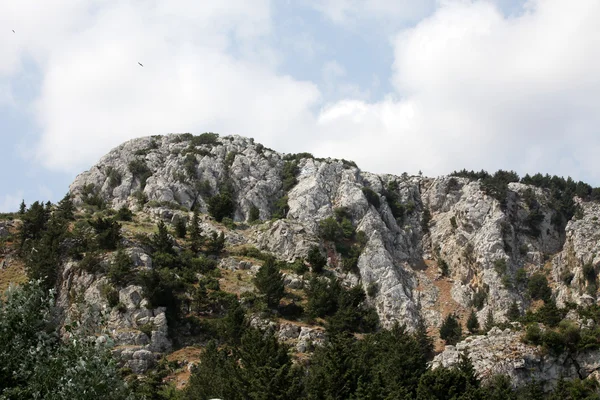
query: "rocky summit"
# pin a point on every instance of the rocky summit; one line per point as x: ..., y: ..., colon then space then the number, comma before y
x: 512, y: 261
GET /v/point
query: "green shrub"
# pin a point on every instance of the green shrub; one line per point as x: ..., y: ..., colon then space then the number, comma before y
x: 254, y: 214
x: 221, y: 206
x: 538, y: 287
x: 124, y: 214
x: 140, y: 170
x: 316, y: 260
x: 372, y: 197
x: 451, y: 331
x: 330, y: 229
x: 207, y: 138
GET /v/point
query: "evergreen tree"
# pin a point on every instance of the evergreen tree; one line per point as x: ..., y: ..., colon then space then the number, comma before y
x: 162, y: 242
x: 36, y: 364
x: 108, y: 232
x: 121, y: 268
x: 196, y: 239
x: 473, y: 323
x: 180, y: 228
x: 66, y: 209
x: 216, y: 244
x: 316, y: 260
x: 489, y: 321
x: 513, y: 312
x: 451, y: 331
x: 269, y: 281
x: 22, y: 208
x: 333, y: 374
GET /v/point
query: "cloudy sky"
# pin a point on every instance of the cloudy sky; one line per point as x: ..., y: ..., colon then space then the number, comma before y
x: 395, y: 85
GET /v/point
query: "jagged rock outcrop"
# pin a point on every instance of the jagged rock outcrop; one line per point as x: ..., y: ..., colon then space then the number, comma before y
x: 432, y: 246
x: 139, y: 334
x: 502, y: 352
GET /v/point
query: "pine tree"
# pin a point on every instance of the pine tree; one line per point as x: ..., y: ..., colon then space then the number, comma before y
x: 513, y: 312
x: 180, y: 228
x: 66, y: 209
x: 316, y: 260
x: 121, y: 268
x: 162, y: 241
x: 22, y: 208
x: 451, y: 331
x: 489, y: 321
x: 196, y: 239
x: 473, y: 323
x: 269, y: 281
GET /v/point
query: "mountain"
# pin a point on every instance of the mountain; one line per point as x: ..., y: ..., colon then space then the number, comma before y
x: 516, y: 252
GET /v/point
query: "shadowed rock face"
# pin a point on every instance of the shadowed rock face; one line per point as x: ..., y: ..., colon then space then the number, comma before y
x: 488, y: 247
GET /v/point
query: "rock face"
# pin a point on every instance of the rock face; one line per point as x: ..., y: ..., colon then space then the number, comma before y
x: 502, y: 352
x: 140, y: 334
x: 433, y: 246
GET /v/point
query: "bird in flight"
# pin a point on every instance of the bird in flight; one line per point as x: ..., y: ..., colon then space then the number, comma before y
x: 141, y: 65
x: 13, y: 31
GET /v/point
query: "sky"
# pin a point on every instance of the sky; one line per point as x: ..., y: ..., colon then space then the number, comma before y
x: 395, y: 85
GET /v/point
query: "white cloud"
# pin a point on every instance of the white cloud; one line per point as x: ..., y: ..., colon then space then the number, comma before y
x: 352, y: 12
x: 473, y: 87
x: 477, y: 89
x: 11, y: 202
x: 207, y: 67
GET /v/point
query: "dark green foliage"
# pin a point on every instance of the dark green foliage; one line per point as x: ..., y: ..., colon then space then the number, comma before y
x: 91, y: 197
x: 124, y: 214
x: 22, y: 207
x: 196, y: 239
x: 444, y: 267
x: 489, y: 321
x: 108, y: 232
x: 258, y: 368
x: 190, y: 163
x: 221, y: 205
x: 290, y: 171
x: 513, y: 312
x: 316, y: 260
x: 330, y: 229
x: 114, y: 177
x: 161, y: 287
x: 181, y: 227
x: 207, y: 138
x: 269, y: 281
x: 216, y: 243
x: 140, y: 170
x: 473, y: 323
x: 229, y: 159
x: 425, y: 219
x: 120, y: 272
x: 493, y: 185
x: 576, y: 389
x: 35, y: 363
x: 161, y: 241
x: 533, y: 221
x: 548, y: 314
x: 65, y: 209
x: 34, y: 223
x: 449, y: 384
x: 453, y: 222
x: 254, y: 214
x: 451, y: 331
x: 343, y: 309
x: 538, y: 287
x: 41, y: 239
x: 479, y: 298
x: 233, y: 325
x: 372, y: 197
x: 281, y: 208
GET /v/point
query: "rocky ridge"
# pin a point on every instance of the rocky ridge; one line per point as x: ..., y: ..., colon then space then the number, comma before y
x: 446, y: 220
